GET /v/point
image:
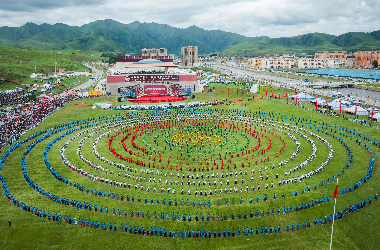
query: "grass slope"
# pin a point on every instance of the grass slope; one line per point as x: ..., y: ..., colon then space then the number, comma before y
x: 22, y: 61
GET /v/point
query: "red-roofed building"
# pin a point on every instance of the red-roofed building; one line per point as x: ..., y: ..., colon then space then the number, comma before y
x: 140, y: 70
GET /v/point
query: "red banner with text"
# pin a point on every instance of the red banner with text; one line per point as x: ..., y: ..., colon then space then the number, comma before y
x: 151, y: 78
x: 155, y: 90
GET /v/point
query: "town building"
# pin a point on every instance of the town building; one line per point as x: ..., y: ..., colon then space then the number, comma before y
x: 365, y: 58
x: 154, y: 52
x: 189, y: 56
x: 271, y: 62
x: 312, y: 63
x: 141, y: 71
x: 322, y: 59
x: 334, y: 55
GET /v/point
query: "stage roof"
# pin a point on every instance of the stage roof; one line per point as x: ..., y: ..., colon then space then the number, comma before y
x: 149, y: 63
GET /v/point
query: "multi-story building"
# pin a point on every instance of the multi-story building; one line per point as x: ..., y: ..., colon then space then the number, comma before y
x: 310, y: 63
x: 259, y: 62
x: 240, y: 59
x: 338, y: 55
x: 321, y: 55
x: 323, y: 60
x: 349, y: 63
x: 365, y: 58
x: 271, y: 62
x: 334, y: 55
x: 154, y: 52
x: 189, y: 55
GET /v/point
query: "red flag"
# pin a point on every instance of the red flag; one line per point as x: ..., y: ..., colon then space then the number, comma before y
x: 336, y: 191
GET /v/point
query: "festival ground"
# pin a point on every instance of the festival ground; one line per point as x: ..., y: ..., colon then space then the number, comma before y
x: 268, y: 136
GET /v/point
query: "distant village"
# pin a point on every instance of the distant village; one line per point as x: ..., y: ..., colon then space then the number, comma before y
x: 321, y: 59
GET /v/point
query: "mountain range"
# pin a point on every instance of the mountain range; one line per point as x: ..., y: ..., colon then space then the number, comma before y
x: 112, y: 36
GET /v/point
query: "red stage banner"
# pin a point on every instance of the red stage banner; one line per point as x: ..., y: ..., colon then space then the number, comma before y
x: 151, y: 78
x: 155, y: 89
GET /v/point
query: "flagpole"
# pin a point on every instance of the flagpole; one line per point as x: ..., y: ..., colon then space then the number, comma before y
x: 332, y: 227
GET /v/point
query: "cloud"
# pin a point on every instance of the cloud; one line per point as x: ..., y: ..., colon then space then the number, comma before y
x: 36, y: 5
x: 274, y: 18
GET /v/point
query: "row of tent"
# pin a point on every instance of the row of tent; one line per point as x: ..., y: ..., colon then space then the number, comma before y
x: 303, y: 96
x: 335, y: 105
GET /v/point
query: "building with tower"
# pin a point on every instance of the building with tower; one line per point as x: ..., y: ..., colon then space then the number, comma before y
x: 154, y: 52
x: 143, y: 72
x: 189, y: 56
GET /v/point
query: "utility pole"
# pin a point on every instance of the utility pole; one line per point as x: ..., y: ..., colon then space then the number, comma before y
x: 55, y: 68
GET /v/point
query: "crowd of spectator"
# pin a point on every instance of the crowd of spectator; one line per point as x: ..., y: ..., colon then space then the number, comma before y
x: 28, y: 114
x: 11, y: 98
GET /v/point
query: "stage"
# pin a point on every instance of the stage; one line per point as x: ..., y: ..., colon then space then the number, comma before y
x: 157, y: 99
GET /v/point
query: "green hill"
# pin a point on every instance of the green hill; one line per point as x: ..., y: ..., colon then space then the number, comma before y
x: 308, y: 43
x: 353, y: 40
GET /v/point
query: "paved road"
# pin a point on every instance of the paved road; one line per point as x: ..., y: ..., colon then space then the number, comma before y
x: 283, y: 80
x: 97, y: 75
x: 101, y: 85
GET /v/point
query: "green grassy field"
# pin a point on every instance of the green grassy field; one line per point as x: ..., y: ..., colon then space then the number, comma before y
x: 355, y: 231
x: 23, y: 62
x: 4, y: 85
x: 74, y: 81
x: 206, y: 69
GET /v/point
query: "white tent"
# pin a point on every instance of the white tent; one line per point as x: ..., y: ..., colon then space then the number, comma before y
x: 375, y: 110
x: 253, y: 89
x: 334, y: 106
x: 320, y: 101
x: 377, y: 117
x: 101, y: 105
x: 344, y: 102
x: 359, y: 110
x: 302, y: 96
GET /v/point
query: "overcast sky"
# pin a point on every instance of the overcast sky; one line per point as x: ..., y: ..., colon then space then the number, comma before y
x: 274, y: 18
